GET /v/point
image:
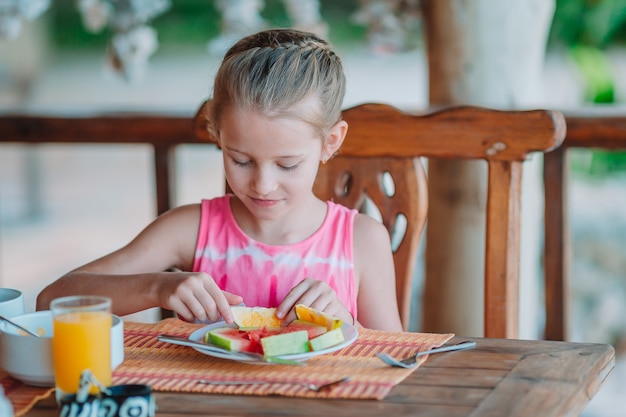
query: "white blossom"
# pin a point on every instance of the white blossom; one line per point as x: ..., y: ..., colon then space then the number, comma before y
x: 14, y: 12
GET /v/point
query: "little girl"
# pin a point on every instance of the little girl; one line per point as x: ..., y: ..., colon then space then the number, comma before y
x: 276, y: 114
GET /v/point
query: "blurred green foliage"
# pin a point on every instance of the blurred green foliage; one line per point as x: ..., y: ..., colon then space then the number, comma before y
x: 593, y: 23
x: 194, y: 22
x: 596, y: 162
x: 596, y: 70
x: 587, y: 28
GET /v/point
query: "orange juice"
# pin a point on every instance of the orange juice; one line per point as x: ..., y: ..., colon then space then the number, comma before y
x: 82, y: 340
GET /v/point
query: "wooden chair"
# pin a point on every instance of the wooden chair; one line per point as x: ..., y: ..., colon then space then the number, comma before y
x: 397, y: 188
x: 384, y: 142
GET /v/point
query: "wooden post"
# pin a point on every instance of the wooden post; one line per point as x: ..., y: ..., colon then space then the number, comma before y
x: 165, y: 177
x: 489, y: 53
x: 557, y: 250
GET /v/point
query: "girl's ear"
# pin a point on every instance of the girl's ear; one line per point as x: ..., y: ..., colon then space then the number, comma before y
x: 334, y: 139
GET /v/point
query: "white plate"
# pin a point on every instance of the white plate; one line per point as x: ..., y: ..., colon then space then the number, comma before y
x: 349, y: 334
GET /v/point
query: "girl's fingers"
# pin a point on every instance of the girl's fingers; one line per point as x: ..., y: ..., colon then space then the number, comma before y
x: 201, y: 306
x: 182, y: 310
x: 217, y: 303
x: 223, y: 308
x: 315, y: 294
x: 232, y: 300
x: 197, y: 297
x: 308, y: 292
x: 293, y: 297
x: 321, y: 304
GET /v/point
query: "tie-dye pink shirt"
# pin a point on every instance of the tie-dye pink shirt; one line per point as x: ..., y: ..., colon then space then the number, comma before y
x: 263, y: 274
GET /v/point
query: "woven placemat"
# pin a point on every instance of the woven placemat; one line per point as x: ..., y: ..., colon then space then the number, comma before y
x: 22, y: 396
x: 167, y: 367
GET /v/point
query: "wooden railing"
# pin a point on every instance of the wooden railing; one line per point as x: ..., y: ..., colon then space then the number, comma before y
x: 604, y: 128
x: 163, y: 131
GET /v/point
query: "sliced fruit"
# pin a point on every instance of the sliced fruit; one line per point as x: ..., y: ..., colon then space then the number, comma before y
x: 313, y: 329
x: 233, y: 340
x: 260, y: 331
x: 257, y: 334
x: 307, y: 313
x: 326, y: 340
x: 255, y: 317
x: 286, y: 343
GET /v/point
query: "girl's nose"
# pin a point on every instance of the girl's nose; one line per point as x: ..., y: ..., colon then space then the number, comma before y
x: 263, y: 182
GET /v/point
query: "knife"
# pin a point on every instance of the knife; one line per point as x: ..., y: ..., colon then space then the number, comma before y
x: 167, y: 338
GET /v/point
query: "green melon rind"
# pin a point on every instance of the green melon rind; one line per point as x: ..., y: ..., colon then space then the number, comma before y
x: 326, y: 340
x: 286, y: 343
x: 225, y: 341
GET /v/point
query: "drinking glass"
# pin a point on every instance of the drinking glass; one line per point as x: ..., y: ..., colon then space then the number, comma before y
x: 81, y: 340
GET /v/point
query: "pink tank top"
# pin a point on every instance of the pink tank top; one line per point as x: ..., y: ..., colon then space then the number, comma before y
x: 263, y: 274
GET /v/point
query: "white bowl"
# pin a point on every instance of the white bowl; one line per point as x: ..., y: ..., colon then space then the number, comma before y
x: 29, y: 358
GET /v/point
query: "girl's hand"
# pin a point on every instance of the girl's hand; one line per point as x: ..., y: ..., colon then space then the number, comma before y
x: 315, y: 294
x: 195, y: 295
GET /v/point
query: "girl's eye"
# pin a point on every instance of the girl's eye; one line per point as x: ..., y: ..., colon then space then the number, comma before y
x: 245, y: 164
x: 288, y: 168
x: 242, y: 163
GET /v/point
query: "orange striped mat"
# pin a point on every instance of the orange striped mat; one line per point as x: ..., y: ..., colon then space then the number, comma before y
x: 22, y: 396
x: 167, y: 367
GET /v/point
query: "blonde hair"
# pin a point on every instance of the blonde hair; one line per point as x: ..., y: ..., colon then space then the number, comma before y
x: 273, y: 71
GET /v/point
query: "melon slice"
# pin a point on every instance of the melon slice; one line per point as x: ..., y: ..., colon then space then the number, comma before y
x: 286, y: 343
x: 326, y: 340
x: 313, y: 329
x: 233, y: 340
x: 307, y: 313
x: 255, y: 317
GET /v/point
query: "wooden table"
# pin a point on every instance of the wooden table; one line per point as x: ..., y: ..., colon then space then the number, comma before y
x: 500, y: 377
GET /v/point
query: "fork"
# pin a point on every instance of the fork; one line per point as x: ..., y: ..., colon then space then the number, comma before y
x: 411, y: 361
x: 312, y: 387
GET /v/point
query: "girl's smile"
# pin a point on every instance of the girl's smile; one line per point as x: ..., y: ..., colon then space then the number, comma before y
x: 264, y: 202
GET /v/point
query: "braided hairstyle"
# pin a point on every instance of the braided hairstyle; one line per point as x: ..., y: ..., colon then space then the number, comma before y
x: 274, y: 70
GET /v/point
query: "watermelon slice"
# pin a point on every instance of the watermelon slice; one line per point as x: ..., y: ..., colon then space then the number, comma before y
x: 233, y: 339
x: 255, y: 335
